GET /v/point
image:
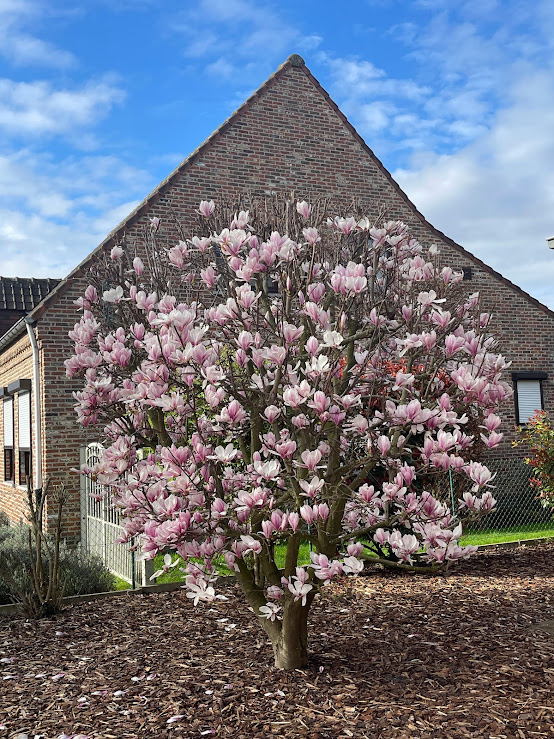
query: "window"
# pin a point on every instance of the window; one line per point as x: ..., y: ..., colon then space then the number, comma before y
x: 9, y: 468
x: 528, y: 394
x: 24, y: 436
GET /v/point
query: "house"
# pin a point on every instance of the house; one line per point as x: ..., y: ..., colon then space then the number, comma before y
x: 289, y: 135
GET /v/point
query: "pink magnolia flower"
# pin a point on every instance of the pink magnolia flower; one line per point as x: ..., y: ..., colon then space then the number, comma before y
x: 251, y: 544
x: 311, y: 459
x: 292, y: 333
x: 209, y: 276
x: 268, y: 528
x: 300, y: 590
x: 384, y: 445
x: 312, y: 487
x: 308, y: 514
x: 206, y: 208
x: 303, y: 209
x: 311, y: 235
x: 272, y: 413
x: 293, y: 520
x: 492, y: 440
x: 312, y: 346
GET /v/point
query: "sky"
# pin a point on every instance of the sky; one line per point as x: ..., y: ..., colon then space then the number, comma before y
x: 101, y: 99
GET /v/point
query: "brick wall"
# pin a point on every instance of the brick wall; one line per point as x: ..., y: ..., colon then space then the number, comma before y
x: 288, y: 137
x: 62, y: 438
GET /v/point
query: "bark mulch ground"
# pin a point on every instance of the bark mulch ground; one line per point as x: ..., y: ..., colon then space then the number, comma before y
x: 393, y: 655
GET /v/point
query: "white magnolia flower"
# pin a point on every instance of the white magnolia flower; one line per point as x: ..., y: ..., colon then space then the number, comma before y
x: 332, y: 338
x: 225, y: 454
x: 352, y: 565
x: 270, y: 611
x: 114, y: 295
x: 201, y: 591
x: 168, y: 565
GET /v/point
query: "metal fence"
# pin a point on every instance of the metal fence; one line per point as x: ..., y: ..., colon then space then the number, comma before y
x: 517, y: 511
x: 100, y: 527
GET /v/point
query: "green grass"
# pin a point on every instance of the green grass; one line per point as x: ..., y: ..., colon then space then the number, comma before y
x: 512, y: 533
x: 175, y: 575
x: 303, y: 554
x: 120, y: 584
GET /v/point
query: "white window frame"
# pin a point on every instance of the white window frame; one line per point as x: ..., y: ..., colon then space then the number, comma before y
x: 24, y: 436
x: 7, y: 442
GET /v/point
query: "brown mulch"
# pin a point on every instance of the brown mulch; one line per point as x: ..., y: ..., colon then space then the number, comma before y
x: 393, y: 655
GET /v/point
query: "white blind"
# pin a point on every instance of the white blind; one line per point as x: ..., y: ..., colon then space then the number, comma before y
x: 528, y: 399
x: 8, y: 422
x: 24, y: 420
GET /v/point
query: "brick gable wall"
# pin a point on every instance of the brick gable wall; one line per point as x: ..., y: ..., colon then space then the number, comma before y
x: 288, y: 137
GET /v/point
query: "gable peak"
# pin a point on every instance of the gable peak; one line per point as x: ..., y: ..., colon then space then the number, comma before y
x: 296, y: 60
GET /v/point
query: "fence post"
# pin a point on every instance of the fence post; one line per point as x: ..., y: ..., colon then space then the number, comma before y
x: 83, y: 503
x: 146, y: 571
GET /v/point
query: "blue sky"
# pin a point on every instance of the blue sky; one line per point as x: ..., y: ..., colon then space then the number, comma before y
x: 101, y: 99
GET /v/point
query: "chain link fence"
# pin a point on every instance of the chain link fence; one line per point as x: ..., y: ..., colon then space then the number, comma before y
x: 518, y: 512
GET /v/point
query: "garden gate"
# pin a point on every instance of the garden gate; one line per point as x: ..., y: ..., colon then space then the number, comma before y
x: 100, y: 527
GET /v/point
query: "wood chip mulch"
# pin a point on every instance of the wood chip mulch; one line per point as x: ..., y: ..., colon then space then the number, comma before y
x: 393, y: 655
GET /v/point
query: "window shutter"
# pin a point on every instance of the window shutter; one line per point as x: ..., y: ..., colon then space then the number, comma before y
x: 8, y: 422
x: 528, y: 399
x: 24, y: 420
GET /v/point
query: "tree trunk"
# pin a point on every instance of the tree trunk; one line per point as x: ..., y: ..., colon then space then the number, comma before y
x: 291, y: 648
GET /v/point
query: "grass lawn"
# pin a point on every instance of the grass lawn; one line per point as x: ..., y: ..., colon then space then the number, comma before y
x: 512, y: 533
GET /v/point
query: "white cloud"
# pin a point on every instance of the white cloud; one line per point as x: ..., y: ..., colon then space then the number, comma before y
x: 494, y: 196
x: 21, y: 48
x: 239, y: 36
x: 35, y: 246
x: 54, y: 212
x: 361, y: 78
x: 38, y: 109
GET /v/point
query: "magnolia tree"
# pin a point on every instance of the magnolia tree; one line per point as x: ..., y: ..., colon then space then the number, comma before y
x: 286, y: 377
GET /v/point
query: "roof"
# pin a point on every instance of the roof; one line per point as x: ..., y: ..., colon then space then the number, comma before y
x: 24, y: 293
x: 293, y: 61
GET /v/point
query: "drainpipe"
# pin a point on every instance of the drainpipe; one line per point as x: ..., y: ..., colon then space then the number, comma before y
x: 30, y: 324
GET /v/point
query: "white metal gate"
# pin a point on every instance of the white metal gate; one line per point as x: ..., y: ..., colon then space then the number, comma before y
x: 100, y: 524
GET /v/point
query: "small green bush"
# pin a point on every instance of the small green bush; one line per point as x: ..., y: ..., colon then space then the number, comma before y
x: 81, y: 572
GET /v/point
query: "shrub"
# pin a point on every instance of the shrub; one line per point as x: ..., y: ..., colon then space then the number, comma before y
x: 539, y: 436
x: 81, y: 572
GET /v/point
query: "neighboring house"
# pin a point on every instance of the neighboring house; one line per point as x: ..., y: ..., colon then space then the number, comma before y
x: 289, y: 135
